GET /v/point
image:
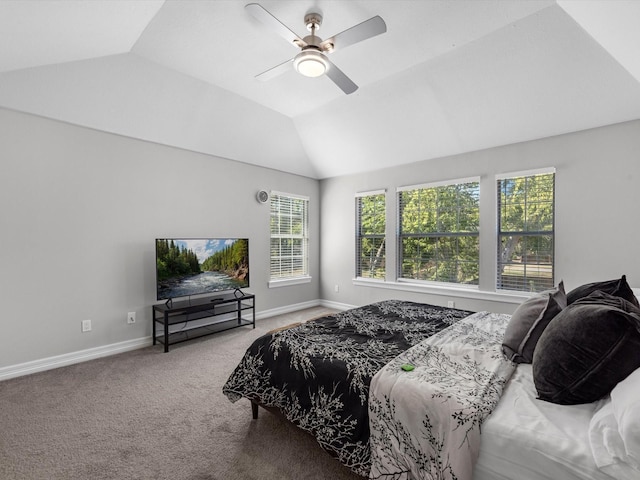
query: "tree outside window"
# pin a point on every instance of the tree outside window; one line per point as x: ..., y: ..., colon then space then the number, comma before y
x: 438, y: 236
x: 526, y: 232
x: 370, y: 235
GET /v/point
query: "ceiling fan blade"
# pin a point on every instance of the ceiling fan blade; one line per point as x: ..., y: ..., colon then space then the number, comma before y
x: 275, y: 71
x: 262, y: 15
x: 367, y: 29
x: 340, y: 79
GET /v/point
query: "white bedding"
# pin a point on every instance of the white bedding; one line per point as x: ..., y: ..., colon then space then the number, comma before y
x: 425, y: 422
x: 522, y: 439
x: 529, y: 439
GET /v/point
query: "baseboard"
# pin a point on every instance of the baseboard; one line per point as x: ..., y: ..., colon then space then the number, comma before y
x: 287, y: 309
x: 57, y: 361
x: 301, y: 306
x: 336, y: 305
x: 71, y: 358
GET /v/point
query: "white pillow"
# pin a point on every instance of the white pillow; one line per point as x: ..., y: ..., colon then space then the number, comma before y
x: 625, y: 402
x: 607, y: 446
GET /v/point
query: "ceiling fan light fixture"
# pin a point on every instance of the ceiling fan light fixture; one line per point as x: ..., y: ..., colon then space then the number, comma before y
x: 311, y: 63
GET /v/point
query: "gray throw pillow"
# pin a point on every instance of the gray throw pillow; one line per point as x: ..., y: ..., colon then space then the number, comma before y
x: 529, y: 321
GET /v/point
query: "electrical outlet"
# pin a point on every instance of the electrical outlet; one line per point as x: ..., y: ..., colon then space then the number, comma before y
x: 86, y: 325
x: 336, y: 288
x: 131, y: 317
x: 451, y: 304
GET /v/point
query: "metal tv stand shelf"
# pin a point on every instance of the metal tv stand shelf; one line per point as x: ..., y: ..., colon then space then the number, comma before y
x: 176, y: 322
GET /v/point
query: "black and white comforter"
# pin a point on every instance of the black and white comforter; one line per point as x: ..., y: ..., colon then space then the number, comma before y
x: 425, y: 423
x: 318, y: 374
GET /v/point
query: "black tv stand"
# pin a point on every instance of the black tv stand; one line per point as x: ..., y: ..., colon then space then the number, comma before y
x: 179, y: 321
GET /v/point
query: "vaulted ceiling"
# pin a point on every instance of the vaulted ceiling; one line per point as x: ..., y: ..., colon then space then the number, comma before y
x: 447, y: 77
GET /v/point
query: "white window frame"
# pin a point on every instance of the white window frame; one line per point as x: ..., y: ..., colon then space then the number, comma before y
x: 405, y: 280
x: 359, y: 235
x: 281, y: 280
x: 499, y: 233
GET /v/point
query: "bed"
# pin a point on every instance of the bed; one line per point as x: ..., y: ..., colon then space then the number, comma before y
x: 401, y: 390
x: 526, y: 439
x: 318, y: 374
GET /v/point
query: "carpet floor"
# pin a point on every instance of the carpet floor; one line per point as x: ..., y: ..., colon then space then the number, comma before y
x: 147, y: 414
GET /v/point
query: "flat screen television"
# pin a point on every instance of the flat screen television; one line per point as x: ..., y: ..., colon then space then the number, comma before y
x: 195, y: 266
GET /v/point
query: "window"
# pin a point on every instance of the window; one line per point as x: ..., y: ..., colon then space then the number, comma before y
x: 525, y: 231
x: 370, y: 234
x: 289, y: 236
x: 438, y: 232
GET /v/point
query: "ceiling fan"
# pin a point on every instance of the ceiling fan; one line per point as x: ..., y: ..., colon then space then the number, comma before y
x: 312, y: 60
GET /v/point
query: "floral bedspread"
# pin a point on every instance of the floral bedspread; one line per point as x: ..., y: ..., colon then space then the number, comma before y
x: 318, y: 373
x: 425, y: 422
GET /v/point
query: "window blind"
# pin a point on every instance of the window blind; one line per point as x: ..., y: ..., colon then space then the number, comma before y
x: 438, y: 234
x: 526, y: 220
x: 370, y: 235
x: 289, y: 246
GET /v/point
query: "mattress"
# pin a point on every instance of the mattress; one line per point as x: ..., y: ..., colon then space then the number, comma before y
x: 529, y: 439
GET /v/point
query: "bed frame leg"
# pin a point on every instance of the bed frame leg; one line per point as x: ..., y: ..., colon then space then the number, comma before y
x: 254, y: 409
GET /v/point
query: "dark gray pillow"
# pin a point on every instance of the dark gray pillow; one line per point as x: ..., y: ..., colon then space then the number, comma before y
x: 529, y: 321
x: 587, y: 349
x: 618, y: 288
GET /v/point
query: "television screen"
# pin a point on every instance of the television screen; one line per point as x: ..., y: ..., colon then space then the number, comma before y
x: 193, y: 266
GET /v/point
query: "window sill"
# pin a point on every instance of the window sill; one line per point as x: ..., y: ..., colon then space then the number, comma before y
x: 285, y: 282
x: 449, y: 290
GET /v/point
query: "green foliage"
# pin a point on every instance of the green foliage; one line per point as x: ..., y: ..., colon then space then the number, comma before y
x: 439, y: 233
x: 174, y: 261
x: 371, y: 261
x: 370, y: 238
x: 526, y: 218
x: 372, y: 214
x: 232, y: 258
x: 526, y: 203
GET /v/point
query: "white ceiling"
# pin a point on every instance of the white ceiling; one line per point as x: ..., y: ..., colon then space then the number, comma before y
x: 447, y: 77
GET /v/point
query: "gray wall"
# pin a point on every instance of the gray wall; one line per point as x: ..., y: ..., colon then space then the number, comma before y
x: 79, y: 212
x: 597, y: 198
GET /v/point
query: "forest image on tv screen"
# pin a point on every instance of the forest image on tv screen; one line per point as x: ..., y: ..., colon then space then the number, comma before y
x: 195, y: 266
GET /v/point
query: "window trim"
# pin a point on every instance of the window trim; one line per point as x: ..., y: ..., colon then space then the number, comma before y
x: 507, y: 176
x: 286, y: 282
x: 399, y: 279
x: 275, y: 282
x: 525, y: 173
x: 440, y: 183
x: 448, y: 290
x: 359, y: 195
x: 371, y: 192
